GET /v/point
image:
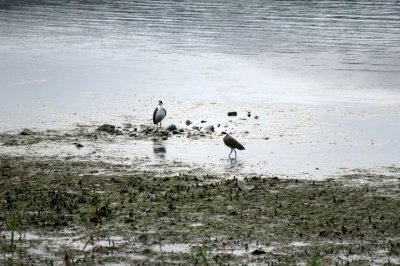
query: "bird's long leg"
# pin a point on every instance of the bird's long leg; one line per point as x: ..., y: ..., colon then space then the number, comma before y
x: 230, y: 153
x: 235, y: 153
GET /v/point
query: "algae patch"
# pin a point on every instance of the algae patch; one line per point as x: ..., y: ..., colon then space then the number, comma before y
x: 82, y: 212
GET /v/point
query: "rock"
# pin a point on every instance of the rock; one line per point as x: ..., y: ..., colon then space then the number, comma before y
x: 195, y: 128
x: 203, y: 121
x: 141, y: 129
x: 158, y: 150
x: 188, y: 122
x: 26, y: 132
x: 127, y: 125
x: 78, y: 145
x: 232, y: 113
x: 171, y: 127
x: 148, y: 130
x: 106, y: 128
x: 256, y: 117
x: 248, y: 114
x: 209, y: 128
x: 258, y: 252
x: 163, y: 133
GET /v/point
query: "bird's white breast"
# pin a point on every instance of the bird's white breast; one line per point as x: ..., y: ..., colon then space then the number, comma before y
x: 160, y: 113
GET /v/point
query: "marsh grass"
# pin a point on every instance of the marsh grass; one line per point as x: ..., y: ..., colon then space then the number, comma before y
x: 332, y: 218
x: 15, y: 224
x: 199, y: 255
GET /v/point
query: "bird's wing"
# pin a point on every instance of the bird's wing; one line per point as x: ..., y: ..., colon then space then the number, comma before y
x: 165, y: 112
x: 154, y: 116
x: 232, y: 142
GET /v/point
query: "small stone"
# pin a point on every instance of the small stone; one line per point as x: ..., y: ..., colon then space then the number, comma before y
x: 106, y: 128
x: 203, y: 121
x: 258, y: 252
x: 188, y: 122
x: 163, y: 133
x: 159, y: 150
x: 171, y: 127
x: 256, y: 117
x: 195, y: 128
x: 209, y: 128
x: 248, y: 114
x: 127, y: 125
x: 232, y: 113
x: 78, y: 145
x: 26, y: 132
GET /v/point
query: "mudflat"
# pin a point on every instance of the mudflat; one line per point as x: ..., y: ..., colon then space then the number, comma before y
x: 76, y: 211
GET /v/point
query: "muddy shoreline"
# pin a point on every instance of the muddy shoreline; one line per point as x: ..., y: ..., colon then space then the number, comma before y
x: 80, y: 211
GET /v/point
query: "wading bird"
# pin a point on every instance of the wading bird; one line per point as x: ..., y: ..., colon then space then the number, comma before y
x: 159, y: 114
x: 232, y: 143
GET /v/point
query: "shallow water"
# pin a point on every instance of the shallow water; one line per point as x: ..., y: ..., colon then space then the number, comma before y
x: 322, y: 76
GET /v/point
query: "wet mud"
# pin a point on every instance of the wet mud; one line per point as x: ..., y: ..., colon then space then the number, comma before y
x: 64, y: 211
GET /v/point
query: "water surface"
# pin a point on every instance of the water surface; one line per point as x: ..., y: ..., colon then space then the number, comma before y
x: 92, y: 62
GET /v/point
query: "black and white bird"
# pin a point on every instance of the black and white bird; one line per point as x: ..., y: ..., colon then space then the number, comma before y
x: 159, y: 114
x: 232, y: 143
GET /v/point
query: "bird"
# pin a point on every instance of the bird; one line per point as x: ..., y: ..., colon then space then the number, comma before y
x: 232, y: 143
x: 159, y: 114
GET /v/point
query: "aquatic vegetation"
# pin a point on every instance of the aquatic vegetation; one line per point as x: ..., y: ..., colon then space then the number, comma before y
x: 74, y: 211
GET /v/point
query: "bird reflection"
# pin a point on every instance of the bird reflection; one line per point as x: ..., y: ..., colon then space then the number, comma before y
x: 159, y: 149
x: 234, y: 166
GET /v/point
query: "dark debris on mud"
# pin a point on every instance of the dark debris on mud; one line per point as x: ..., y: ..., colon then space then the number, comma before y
x: 57, y: 211
x: 104, y: 132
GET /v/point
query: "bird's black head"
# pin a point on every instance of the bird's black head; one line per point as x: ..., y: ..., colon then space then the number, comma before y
x: 224, y: 133
x: 160, y: 102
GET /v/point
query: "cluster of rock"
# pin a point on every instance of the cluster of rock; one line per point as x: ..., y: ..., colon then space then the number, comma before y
x: 137, y: 131
x: 144, y: 131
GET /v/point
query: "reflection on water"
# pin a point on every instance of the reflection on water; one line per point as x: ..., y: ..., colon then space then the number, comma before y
x: 329, y: 35
x: 85, y: 52
x: 159, y: 149
x: 95, y: 62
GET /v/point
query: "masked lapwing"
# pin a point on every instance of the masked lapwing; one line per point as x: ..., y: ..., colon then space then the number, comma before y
x: 159, y: 114
x: 232, y: 143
